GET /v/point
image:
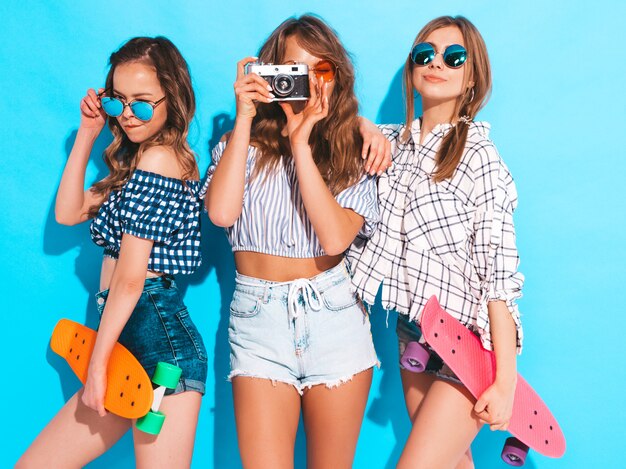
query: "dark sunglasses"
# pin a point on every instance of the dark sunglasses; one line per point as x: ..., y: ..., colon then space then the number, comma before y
x: 325, y: 70
x: 424, y: 53
x: 141, y: 109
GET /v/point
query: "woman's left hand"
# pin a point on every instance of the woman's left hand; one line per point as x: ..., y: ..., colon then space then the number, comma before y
x: 300, y: 125
x: 376, y: 148
x: 95, y: 389
x: 495, y: 405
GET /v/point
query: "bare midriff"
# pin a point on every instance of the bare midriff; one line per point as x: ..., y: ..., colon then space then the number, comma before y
x: 106, y: 273
x: 282, y: 269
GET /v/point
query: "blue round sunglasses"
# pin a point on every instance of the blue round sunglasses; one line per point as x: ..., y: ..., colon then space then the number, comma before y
x: 424, y: 53
x: 141, y: 109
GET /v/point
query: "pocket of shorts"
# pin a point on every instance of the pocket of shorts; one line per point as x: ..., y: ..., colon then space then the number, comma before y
x: 339, y: 296
x: 244, y: 305
x: 192, y: 332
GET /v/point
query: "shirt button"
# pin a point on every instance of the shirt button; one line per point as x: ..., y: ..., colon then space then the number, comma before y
x: 100, y: 301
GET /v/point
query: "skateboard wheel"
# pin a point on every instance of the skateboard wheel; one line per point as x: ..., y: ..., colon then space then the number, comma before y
x: 415, y: 357
x: 514, y: 452
x: 166, y: 375
x: 151, y: 422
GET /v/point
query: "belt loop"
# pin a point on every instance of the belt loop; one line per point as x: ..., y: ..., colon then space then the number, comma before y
x: 167, y: 280
x: 266, y: 294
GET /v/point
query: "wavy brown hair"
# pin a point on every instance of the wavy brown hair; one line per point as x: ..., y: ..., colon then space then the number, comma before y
x: 473, y: 99
x: 122, y: 155
x: 335, y: 140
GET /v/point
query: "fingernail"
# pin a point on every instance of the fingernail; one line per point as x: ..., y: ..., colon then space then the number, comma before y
x: 367, y: 168
x: 269, y: 88
x: 363, y: 156
x: 379, y: 172
x: 272, y: 95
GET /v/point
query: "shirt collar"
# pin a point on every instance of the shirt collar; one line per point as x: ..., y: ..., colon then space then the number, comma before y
x: 480, y: 128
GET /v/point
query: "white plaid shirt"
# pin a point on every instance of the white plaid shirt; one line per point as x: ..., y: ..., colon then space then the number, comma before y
x: 454, y: 239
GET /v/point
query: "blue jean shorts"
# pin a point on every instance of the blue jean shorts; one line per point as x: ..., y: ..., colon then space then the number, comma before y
x: 160, y: 330
x: 304, y: 332
x: 409, y: 331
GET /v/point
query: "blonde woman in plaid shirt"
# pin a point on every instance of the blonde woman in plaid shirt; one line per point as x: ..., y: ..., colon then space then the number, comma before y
x: 446, y: 230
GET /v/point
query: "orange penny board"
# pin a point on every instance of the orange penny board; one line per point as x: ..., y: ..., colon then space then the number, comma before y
x: 531, y: 422
x: 129, y: 389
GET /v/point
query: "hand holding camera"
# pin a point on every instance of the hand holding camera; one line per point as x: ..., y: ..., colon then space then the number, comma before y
x: 300, y: 125
x: 249, y: 88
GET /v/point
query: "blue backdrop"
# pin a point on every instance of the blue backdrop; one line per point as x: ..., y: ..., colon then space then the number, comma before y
x: 557, y: 114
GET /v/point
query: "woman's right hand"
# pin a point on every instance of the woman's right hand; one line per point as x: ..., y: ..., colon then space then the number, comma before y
x: 250, y: 88
x: 92, y: 116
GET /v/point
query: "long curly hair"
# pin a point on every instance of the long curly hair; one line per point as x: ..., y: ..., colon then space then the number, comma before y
x: 335, y: 141
x: 473, y: 99
x: 122, y: 155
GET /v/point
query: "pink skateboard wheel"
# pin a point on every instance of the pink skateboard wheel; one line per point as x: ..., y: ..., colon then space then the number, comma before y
x: 415, y: 357
x: 514, y: 452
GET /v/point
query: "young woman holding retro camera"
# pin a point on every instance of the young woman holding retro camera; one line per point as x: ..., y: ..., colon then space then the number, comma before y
x: 447, y: 230
x: 288, y: 184
x: 146, y: 216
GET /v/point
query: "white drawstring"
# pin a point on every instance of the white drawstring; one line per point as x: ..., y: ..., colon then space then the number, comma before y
x: 310, y: 295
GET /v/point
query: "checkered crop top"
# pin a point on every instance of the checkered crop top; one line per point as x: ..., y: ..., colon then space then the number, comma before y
x: 158, y: 208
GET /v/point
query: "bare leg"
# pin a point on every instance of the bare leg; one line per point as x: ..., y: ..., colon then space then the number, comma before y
x: 332, y: 419
x: 173, y: 447
x: 74, y: 437
x: 267, y: 416
x: 443, y: 429
x: 415, y: 386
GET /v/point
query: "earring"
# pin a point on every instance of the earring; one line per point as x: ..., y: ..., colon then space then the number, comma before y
x: 472, y: 97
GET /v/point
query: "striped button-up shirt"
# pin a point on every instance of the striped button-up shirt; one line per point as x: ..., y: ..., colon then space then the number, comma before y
x: 273, y: 218
x: 454, y: 239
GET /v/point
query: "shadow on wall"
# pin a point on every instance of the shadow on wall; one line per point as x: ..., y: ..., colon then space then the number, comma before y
x: 392, y: 108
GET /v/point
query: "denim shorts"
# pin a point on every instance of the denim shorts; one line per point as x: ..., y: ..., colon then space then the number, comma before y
x: 304, y: 332
x: 160, y: 330
x: 409, y: 331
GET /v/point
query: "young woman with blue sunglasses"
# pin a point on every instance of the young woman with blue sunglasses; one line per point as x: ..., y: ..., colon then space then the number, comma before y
x: 447, y: 230
x: 146, y: 217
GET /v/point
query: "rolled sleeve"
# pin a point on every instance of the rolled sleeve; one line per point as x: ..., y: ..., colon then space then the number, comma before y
x: 495, y: 251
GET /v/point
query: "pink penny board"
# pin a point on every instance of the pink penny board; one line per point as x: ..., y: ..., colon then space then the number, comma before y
x: 531, y: 422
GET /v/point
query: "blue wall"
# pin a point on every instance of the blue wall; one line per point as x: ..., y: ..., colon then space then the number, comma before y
x: 557, y: 115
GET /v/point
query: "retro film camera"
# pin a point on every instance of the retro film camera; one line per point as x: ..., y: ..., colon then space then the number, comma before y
x: 289, y: 82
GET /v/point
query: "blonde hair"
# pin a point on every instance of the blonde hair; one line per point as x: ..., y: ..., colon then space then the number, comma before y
x: 473, y: 99
x: 122, y: 155
x: 335, y: 141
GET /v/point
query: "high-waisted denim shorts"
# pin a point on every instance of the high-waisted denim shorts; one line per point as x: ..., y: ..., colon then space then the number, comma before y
x: 304, y: 332
x: 409, y: 331
x: 160, y: 330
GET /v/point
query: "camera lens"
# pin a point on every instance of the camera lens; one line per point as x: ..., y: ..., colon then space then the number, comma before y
x: 283, y: 85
